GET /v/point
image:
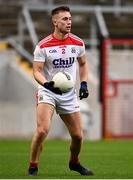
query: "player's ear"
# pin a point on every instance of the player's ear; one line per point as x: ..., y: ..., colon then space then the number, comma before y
x: 54, y: 21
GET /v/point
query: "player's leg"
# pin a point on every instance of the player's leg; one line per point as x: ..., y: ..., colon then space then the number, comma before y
x: 74, y: 125
x: 44, y: 116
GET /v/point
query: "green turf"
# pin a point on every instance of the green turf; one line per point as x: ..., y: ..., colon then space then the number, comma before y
x: 108, y: 159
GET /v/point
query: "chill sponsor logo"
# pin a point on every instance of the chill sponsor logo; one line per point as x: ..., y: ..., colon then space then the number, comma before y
x: 63, y: 63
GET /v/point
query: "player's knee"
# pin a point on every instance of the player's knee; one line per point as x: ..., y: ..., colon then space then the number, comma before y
x: 77, y: 137
x: 42, y: 133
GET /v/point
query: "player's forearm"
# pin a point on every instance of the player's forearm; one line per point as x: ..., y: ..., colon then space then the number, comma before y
x: 83, y: 72
x: 39, y: 78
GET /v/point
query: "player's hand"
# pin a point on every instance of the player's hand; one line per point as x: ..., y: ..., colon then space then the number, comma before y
x: 83, y: 92
x: 50, y: 86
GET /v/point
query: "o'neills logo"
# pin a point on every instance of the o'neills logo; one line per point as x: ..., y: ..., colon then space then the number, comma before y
x: 63, y: 63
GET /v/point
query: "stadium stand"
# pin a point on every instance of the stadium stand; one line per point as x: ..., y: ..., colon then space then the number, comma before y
x: 8, y: 21
x: 120, y: 25
x: 117, y: 23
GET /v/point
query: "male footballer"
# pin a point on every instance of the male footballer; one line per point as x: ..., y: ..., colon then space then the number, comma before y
x: 59, y: 52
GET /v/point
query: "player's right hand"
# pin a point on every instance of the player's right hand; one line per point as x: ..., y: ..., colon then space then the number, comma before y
x: 50, y: 86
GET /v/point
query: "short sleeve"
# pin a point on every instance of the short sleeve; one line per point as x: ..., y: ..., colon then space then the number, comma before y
x: 81, y: 50
x: 39, y: 54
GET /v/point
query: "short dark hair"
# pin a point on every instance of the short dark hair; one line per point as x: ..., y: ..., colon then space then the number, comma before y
x: 60, y: 9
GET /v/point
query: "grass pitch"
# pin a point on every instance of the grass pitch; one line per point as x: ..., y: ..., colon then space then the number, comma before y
x: 108, y: 159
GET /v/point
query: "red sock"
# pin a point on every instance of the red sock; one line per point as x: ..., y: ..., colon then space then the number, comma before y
x: 33, y: 164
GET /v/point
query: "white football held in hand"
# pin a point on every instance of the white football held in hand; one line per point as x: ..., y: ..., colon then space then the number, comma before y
x: 64, y: 81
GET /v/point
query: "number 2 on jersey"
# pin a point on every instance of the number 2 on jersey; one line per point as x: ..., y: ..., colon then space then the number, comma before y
x: 63, y: 51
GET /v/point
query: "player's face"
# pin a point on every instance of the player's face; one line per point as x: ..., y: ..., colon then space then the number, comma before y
x: 63, y: 22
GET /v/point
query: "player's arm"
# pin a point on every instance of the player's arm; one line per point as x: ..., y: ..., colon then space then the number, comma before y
x: 83, y: 74
x: 83, y: 68
x: 38, y: 72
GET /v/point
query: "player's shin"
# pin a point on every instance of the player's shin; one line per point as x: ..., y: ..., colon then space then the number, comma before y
x: 75, y: 150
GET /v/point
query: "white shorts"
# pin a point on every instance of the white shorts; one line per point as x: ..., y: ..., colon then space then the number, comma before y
x: 64, y: 104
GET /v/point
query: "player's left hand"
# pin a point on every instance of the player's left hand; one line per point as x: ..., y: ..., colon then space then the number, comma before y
x: 83, y: 92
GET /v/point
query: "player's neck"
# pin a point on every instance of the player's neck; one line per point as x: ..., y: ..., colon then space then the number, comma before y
x: 60, y: 36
